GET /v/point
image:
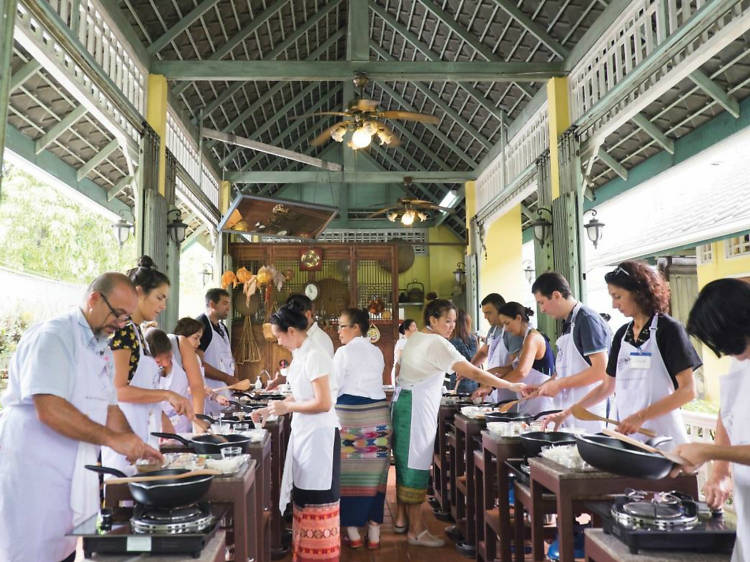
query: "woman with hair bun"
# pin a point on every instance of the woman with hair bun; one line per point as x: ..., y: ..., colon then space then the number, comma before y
x: 405, y: 330
x: 426, y: 358
x: 536, y: 361
x: 137, y: 375
x: 313, y: 458
x: 651, y: 362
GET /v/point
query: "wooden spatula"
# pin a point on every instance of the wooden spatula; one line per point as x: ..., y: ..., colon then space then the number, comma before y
x: 505, y: 408
x: 242, y: 386
x: 625, y: 439
x: 133, y: 479
x: 581, y: 413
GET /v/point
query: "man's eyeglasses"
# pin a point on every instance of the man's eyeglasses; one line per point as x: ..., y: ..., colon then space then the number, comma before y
x: 120, y: 316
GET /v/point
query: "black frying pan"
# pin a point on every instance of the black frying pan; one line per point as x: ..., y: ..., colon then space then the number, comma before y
x: 163, y: 493
x: 534, y: 441
x: 615, y: 456
x: 228, y: 419
x: 515, y: 416
x: 209, y: 444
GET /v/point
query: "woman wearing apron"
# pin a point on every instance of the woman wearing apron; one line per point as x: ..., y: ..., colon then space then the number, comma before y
x: 427, y: 356
x: 501, y: 347
x: 720, y: 318
x: 365, y: 428
x: 189, y: 333
x: 651, y: 362
x: 313, y: 459
x: 137, y: 376
x: 536, y: 362
x: 165, y: 350
x: 405, y: 330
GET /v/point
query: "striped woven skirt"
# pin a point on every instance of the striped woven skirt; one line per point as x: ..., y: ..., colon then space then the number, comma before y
x: 365, y: 458
x: 315, y: 524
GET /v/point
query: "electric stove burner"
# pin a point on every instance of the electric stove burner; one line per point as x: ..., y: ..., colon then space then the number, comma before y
x: 190, y: 519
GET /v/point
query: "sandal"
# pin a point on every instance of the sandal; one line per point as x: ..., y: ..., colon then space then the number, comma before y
x: 400, y: 529
x: 352, y: 544
x: 426, y: 539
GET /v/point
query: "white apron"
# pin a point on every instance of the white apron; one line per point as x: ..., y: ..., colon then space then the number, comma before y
x: 497, y: 356
x: 218, y: 354
x: 643, y: 379
x: 425, y: 405
x: 735, y: 415
x: 143, y: 418
x: 35, y: 467
x: 309, y: 454
x: 177, y: 382
x: 535, y: 378
x: 570, y: 362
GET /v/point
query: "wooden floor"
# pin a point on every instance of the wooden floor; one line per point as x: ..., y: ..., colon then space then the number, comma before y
x: 394, y: 548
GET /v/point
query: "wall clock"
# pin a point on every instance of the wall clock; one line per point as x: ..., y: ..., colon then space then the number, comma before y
x: 311, y: 291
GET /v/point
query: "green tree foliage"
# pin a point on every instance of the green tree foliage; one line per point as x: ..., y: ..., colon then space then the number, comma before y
x: 45, y: 230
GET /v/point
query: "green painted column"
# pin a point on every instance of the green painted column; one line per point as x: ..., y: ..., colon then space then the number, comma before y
x: 173, y: 254
x: 567, y: 213
x: 7, y: 23
x: 543, y: 251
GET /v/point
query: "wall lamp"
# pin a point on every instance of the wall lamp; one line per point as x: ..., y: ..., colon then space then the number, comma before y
x: 594, y: 228
x: 542, y: 226
x: 122, y: 230
x: 176, y: 228
x: 528, y: 271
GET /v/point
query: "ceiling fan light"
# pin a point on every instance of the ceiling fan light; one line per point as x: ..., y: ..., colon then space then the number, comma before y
x: 422, y: 216
x: 338, y: 134
x: 392, y: 216
x: 361, y: 138
x: 407, y: 219
x: 384, y: 137
x: 371, y: 127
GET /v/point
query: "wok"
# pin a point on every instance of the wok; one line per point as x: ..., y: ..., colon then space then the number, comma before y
x: 164, y: 493
x: 209, y: 444
x: 534, y: 441
x: 229, y: 419
x: 515, y: 416
x: 615, y: 456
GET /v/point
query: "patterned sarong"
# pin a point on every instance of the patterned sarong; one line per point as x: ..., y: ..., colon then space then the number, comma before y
x: 365, y: 457
x: 411, y: 484
x: 315, y: 533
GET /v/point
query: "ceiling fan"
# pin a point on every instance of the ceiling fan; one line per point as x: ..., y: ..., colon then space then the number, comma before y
x: 363, y: 119
x: 408, y: 211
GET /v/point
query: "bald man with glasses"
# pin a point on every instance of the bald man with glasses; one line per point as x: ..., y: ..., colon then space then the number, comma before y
x: 59, y: 409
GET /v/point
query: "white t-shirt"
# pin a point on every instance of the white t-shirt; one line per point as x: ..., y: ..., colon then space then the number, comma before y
x: 309, y: 362
x: 320, y: 338
x: 359, y: 366
x: 426, y: 355
x: 397, y: 349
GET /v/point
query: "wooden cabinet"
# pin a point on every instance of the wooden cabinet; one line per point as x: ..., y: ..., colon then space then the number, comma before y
x: 349, y: 275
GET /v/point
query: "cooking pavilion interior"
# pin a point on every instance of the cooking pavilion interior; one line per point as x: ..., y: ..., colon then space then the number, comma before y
x: 124, y: 100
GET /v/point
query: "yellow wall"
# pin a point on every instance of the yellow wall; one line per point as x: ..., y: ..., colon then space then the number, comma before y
x: 435, y: 270
x: 501, y: 273
x: 721, y: 267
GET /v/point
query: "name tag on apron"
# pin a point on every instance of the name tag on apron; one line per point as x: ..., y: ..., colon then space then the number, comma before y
x: 640, y: 360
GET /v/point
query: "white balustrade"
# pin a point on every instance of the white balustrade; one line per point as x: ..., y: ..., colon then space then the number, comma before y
x: 109, y: 49
x: 529, y: 142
